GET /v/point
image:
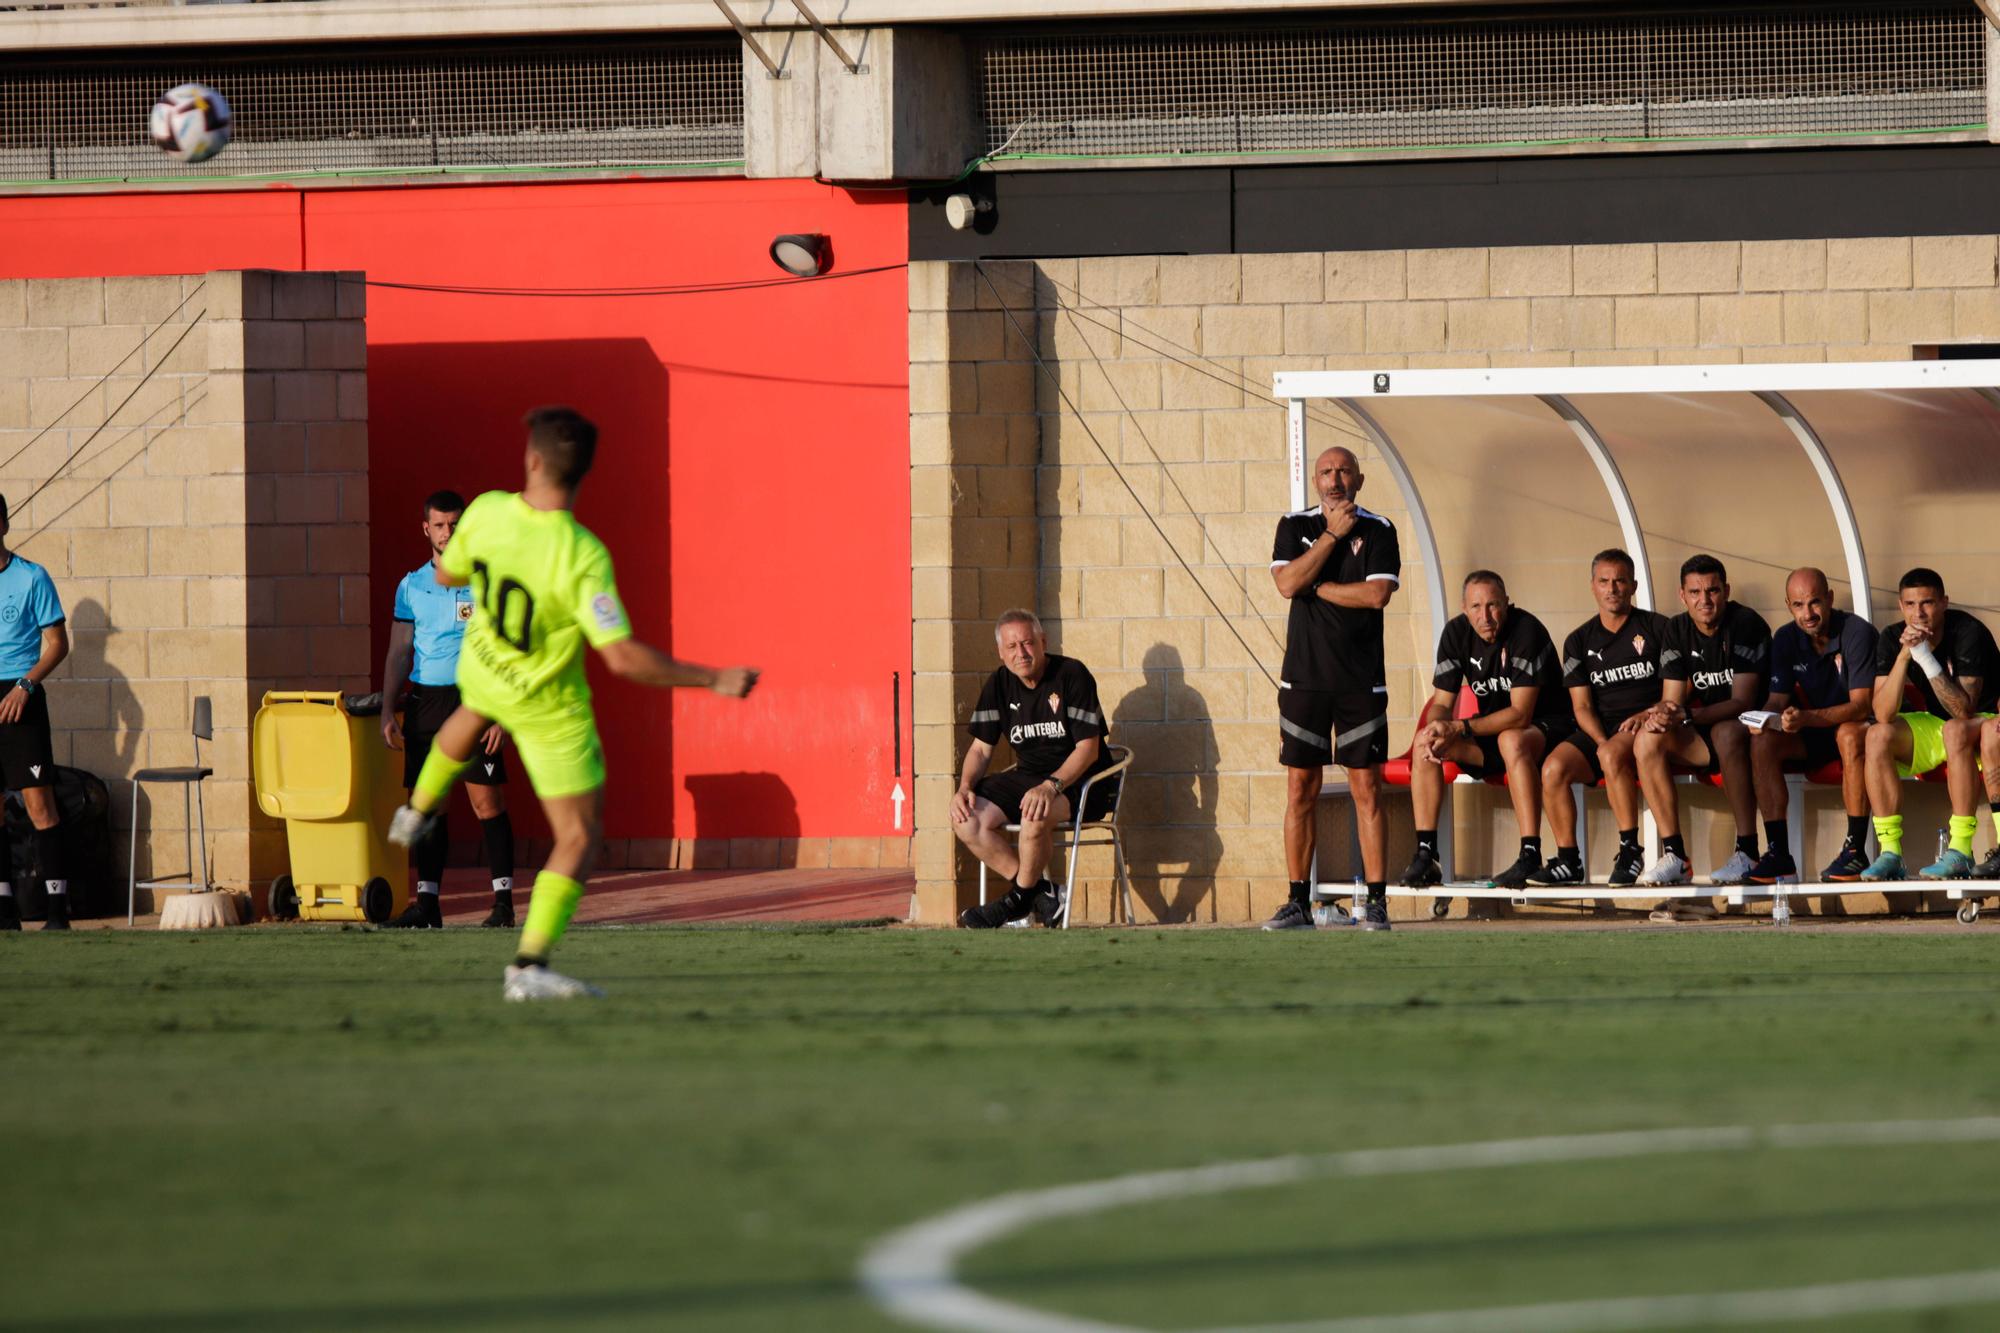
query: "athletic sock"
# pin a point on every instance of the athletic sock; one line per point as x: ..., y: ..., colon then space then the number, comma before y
x: 1427, y: 840
x: 1378, y: 890
x: 1672, y: 845
x: 49, y: 853
x: 1889, y: 833
x: 1568, y: 854
x: 498, y: 835
x: 434, y: 779
x: 503, y: 887
x: 549, y: 910
x: 1996, y: 826
x: 1747, y: 844
x: 427, y: 886
x: 1628, y: 837
x: 1777, y: 835
x: 1301, y: 894
x: 1962, y: 828
x: 433, y: 850
x: 1532, y: 846
x: 1857, y: 828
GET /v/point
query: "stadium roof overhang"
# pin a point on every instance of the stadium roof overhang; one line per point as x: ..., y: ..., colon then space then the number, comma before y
x: 1864, y: 469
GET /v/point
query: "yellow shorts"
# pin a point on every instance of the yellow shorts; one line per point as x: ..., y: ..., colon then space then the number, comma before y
x: 559, y: 748
x: 1926, y: 742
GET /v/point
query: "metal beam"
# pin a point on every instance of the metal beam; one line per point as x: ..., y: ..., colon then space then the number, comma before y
x: 1614, y: 486
x: 1420, y: 519
x: 1836, y: 498
x: 748, y: 40
x: 853, y: 66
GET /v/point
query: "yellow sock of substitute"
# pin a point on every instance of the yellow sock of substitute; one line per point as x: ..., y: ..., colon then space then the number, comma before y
x: 1996, y: 827
x: 1889, y: 833
x: 1962, y: 829
x: 549, y: 910
x: 434, y: 779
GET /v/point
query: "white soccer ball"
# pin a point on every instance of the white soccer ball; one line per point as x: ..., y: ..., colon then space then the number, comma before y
x: 191, y: 122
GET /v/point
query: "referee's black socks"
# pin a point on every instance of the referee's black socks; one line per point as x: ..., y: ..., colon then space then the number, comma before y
x: 498, y: 835
x: 55, y: 875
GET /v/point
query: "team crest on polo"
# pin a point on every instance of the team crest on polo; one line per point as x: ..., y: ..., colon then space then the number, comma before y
x: 11, y: 613
x: 1055, y: 704
x: 1638, y: 643
x: 1354, y: 545
x: 1838, y: 665
x: 465, y: 609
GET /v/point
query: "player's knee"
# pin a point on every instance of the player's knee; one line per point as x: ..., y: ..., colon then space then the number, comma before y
x: 1850, y: 738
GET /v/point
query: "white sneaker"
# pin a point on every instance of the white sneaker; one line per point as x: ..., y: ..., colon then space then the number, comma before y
x: 1736, y: 870
x: 409, y: 824
x: 1668, y: 870
x: 539, y: 983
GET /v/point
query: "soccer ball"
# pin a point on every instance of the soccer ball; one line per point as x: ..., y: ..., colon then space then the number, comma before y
x: 191, y: 122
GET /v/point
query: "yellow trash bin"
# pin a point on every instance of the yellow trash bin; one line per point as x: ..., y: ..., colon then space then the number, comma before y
x: 319, y: 764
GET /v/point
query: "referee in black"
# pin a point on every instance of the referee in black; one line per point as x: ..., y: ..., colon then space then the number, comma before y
x: 34, y: 639
x: 1339, y: 565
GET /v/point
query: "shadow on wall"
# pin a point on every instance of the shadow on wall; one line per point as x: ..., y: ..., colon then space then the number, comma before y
x: 724, y: 801
x: 447, y: 415
x: 1184, y: 840
x: 101, y: 727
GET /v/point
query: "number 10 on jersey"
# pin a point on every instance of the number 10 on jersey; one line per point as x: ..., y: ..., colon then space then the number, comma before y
x: 499, y: 601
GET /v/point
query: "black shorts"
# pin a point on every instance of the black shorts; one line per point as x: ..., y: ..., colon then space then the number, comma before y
x: 1555, y: 730
x: 1319, y: 727
x: 1822, y: 745
x: 1006, y: 790
x: 1713, y: 766
x: 27, y: 751
x: 1587, y: 747
x: 424, y: 711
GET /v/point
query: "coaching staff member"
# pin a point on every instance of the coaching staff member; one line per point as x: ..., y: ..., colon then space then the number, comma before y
x: 33, y: 641
x: 1046, y: 706
x: 1339, y: 565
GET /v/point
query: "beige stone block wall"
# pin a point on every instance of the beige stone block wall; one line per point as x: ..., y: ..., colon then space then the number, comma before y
x: 1158, y: 578
x: 187, y: 455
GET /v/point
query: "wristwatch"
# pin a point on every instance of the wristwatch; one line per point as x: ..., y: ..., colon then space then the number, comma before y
x: 1465, y: 727
x: 26, y: 686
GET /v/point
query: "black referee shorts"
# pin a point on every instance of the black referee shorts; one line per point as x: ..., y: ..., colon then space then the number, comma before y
x: 1319, y: 727
x: 27, y: 750
x: 424, y: 711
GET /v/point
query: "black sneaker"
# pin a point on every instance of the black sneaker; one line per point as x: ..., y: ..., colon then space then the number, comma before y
x: 1516, y: 876
x: 1424, y: 871
x: 1776, y: 866
x: 1051, y: 906
x: 1374, y: 913
x: 10, y: 913
x: 1292, y: 916
x: 58, y: 917
x: 423, y: 913
x: 1565, y: 869
x: 1625, y: 866
x: 1989, y: 868
x: 1846, y: 868
x: 502, y: 914
x: 1016, y: 903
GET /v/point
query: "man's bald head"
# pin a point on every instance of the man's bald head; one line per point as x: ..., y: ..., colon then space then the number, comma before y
x: 1810, y: 600
x: 1337, y: 474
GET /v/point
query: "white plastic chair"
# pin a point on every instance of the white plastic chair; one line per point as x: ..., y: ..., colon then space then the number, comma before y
x: 1098, y: 832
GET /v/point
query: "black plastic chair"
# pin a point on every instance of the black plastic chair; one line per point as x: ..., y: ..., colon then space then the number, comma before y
x: 193, y: 813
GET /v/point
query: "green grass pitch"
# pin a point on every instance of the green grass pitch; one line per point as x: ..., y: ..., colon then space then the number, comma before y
x: 322, y: 1129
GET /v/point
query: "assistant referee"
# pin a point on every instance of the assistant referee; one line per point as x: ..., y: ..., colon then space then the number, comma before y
x: 34, y: 639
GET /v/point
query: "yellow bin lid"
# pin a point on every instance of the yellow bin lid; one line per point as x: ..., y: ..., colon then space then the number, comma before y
x: 302, y: 755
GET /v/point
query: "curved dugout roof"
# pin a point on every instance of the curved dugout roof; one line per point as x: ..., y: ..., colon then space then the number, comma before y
x: 1864, y: 469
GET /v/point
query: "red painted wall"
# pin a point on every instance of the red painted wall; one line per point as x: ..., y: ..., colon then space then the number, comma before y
x: 752, y: 478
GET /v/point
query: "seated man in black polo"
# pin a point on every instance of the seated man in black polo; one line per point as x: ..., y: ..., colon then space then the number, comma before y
x: 1046, y: 706
x: 1506, y: 658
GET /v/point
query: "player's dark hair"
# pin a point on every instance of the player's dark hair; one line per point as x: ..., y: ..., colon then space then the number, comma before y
x: 1703, y: 564
x: 3, y: 509
x: 565, y: 439
x: 444, y: 502
x: 1484, y: 576
x: 1921, y: 577
x: 1611, y: 555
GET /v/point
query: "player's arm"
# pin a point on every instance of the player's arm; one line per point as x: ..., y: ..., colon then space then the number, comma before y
x: 1746, y: 691
x: 395, y: 675
x: 1520, y: 708
x: 1888, y: 693
x: 643, y: 664
x: 978, y: 755
x: 1670, y: 711
x: 1586, y: 713
x: 1957, y: 693
x: 1296, y: 575
x: 1370, y: 596
x: 55, y: 647
x: 1435, y: 728
x: 1856, y: 709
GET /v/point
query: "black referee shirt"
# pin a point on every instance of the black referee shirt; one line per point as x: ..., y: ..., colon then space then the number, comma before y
x: 1621, y: 667
x: 1328, y: 647
x: 1521, y: 654
x: 1043, y: 724
x: 1710, y: 663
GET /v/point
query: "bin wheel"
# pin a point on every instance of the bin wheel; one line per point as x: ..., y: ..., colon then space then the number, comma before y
x: 377, y: 900
x: 1440, y: 908
x: 1968, y: 911
x: 284, y: 901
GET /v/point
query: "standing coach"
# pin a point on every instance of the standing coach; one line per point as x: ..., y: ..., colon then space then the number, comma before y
x: 1339, y: 566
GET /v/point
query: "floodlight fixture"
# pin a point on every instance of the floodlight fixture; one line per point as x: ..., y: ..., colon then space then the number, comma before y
x: 803, y: 254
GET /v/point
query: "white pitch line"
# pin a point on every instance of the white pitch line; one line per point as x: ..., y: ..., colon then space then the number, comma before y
x: 912, y: 1272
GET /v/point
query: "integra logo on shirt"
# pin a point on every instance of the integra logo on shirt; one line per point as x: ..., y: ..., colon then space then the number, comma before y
x: 1037, y: 731
x: 1708, y: 680
x: 1630, y: 671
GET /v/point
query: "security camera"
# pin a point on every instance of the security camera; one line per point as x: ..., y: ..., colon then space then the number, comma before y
x: 962, y: 209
